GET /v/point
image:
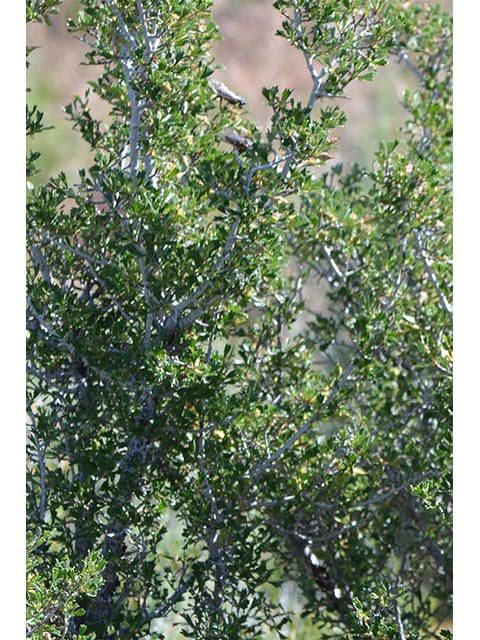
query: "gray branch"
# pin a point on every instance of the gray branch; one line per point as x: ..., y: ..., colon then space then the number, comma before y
x: 318, y: 79
x: 41, y: 466
x: 141, y: 12
x: 266, y: 165
x: 74, y: 250
x: 431, y: 275
x: 47, y: 327
x: 40, y: 260
x: 259, y: 469
x: 121, y: 22
x: 398, y: 613
x: 173, y: 320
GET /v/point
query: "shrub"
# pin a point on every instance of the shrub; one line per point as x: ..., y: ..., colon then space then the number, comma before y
x: 225, y: 334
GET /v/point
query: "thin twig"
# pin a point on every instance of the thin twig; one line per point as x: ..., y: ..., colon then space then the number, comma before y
x: 74, y: 250
x: 173, y: 320
x: 266, y: 165
x: 259, y: 469
x: 141, y: 12
x: 433, y: 279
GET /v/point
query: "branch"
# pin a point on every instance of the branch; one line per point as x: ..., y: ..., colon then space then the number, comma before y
x: 168, y: 604
x: 399, y: 621
x: 297, y: 21
x: 399, y: 489
x: 141, y: 12
x: 267, y: 165
x: 333, y: 264
x: 318, y: 79
x: 433, y: 279
x: 149, y: 298
x: 136, y: 108
x: 216, y: 520
x: 74, y: 250
x: 90, y: 261
x: 399, y: 282
x: 259, y: 469
x: 114, y: 301
x: 127, y: 46
x: 123, y: 27
x: 40, y: 260
x: 135, y: 113
x: 172, y: 322
x: 403, y: 57
x: 41, y: 466
x: 47, y: 327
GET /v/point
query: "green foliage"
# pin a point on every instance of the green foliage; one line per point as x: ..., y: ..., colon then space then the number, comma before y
x: 41, y: 10
x: 54, y: 589
x: 223, y: 332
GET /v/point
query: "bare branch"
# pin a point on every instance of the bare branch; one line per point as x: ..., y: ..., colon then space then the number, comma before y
x: 74, y: 250
x: 401, y: 630
x: 333, y: 264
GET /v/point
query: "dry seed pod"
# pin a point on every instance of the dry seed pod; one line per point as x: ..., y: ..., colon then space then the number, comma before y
x: 225, y: 93
x: 239, y: 142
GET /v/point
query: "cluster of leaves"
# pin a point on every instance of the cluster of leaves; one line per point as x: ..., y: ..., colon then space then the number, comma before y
x: 52, y: 596
x: 41, y: 10
x: 222, y: 332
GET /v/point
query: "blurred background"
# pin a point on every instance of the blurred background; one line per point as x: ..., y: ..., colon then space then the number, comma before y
x: 252, y: 57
